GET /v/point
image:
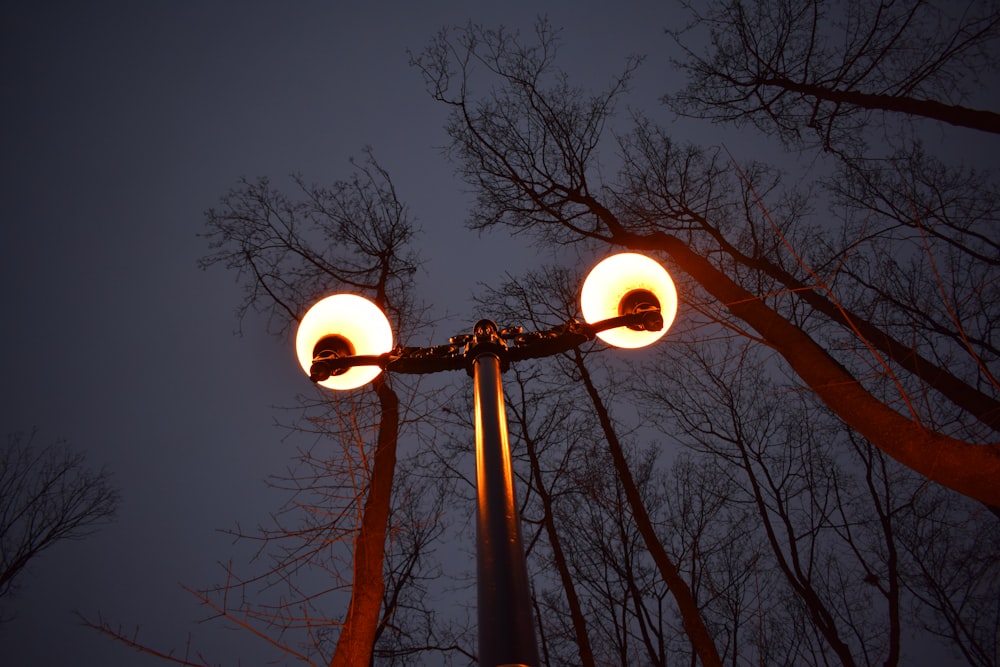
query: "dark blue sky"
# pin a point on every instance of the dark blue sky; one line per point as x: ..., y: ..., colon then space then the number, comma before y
x: 122, y: 123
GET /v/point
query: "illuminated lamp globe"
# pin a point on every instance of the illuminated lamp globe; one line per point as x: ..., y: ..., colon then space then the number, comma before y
x: 357, y: 324
x: 620, y: 283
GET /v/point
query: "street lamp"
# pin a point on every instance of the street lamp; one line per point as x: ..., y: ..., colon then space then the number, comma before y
x: 344, y: 341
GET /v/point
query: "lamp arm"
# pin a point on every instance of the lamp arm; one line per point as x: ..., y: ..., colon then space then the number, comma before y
x: 519, y: 346
x: 650, y: 319
x: 411, y: 360
x: 326, y: 365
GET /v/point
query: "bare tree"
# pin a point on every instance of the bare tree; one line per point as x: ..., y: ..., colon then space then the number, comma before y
x: 529, y: 147
x: 47, y: 495
x: 795, y: 537
x: 881, y: 307
x: 816, y: 343
x: 355, y: 236
x: 321, y: 586
x: 813, y: 72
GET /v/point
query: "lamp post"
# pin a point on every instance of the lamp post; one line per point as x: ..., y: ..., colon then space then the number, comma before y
x: 344, y: 341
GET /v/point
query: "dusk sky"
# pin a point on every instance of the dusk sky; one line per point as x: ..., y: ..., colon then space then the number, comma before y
x: 122, y: 123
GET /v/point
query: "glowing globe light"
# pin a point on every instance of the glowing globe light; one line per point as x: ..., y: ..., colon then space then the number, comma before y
x: 357, y: 324
x: 619, y: 285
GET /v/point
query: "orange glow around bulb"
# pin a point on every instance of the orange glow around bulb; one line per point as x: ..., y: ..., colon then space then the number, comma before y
x: 613, y: 278
x: 353, y: 317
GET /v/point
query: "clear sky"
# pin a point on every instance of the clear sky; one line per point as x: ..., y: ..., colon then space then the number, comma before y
x: 122, y: 123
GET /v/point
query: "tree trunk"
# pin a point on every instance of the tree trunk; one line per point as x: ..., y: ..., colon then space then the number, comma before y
x: 584, y: 649
x: 357, y: 637
x: 977, y: 119
x: 694, y: 625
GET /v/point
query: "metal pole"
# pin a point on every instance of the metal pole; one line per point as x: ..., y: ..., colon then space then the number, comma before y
x: 506, y: 630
